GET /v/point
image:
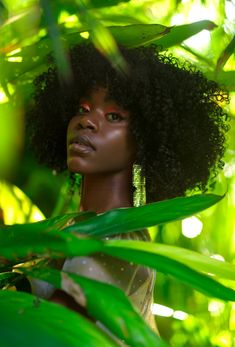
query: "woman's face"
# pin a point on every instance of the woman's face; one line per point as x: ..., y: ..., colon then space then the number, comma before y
x: 98, y: 137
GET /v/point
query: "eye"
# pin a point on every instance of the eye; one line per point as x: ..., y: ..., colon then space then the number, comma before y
x: 83, y: 108
x: 114, y: 117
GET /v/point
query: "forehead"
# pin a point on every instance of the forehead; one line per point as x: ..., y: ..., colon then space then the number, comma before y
x: 100, y: 95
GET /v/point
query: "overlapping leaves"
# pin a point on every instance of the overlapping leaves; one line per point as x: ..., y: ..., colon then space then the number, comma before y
x: 49, y: 239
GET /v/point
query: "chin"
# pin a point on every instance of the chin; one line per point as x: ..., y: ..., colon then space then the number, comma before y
x: 73, y: 166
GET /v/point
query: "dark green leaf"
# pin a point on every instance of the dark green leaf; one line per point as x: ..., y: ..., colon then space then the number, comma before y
x: 27, y: 321
x: 138, y: 34
x: 58, y: 222
x: 182, y: 32
x: 124, y: 220
x: 7, y: 278
x: 105, y: 3
x: 169, y: 266
x: 225, y: 55
x: 29, y: 243
x: 120, y: 317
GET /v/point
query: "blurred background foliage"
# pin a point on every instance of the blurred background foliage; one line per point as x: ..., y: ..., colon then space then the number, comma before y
x: 29, y: 29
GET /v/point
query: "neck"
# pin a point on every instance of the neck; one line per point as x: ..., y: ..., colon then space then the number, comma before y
x: 101, y: 192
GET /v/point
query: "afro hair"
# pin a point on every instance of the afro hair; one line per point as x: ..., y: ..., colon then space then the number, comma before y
x: 175, y: 115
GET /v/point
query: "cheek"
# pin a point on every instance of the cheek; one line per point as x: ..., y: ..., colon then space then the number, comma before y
x: 121, y: 150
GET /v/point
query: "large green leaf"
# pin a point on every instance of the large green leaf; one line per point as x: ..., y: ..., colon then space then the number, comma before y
x: 130, y: 35
x: 169, y: 266
x: 124, y: 220
x: 225, y: 55
x: 135, y: 35
x: 104, y: 303
x: 57, y: 222
x: 180, y: 33
x: 194, y: 260
x: 29, y: 243
x: 27, y: 321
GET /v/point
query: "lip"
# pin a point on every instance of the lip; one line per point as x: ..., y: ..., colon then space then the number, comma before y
x: 80, y: 143
x: 81, y: 140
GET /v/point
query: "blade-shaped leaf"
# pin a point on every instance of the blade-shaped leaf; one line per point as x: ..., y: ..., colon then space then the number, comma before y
x: 25, y: 245
x: 169, y: 266
x: 135, y: 35
x: 194, y: 260
x: 57, y: 44
x: 101, y: 37
x: 57, y: 222
x: 180, y: 33
x: 225, y: 55
x: 197, y: 261
x: 120, y: 317
x: 124, y: 220
x: 40, y: 323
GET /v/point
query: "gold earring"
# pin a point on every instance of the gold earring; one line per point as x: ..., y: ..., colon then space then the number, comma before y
x: 139, y: 196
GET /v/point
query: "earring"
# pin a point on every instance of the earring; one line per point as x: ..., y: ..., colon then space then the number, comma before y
x: 139, y: 195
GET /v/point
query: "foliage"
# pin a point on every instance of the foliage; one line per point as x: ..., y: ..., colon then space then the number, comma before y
x: 29, y: 30
x: 46, y: 240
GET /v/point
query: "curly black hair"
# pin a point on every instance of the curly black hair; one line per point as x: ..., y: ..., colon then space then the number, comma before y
x: 175, y: 115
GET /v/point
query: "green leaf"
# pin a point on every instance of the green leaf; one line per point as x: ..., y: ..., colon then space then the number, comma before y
x: 135, y: 35
x: 120, y: 317
x: 105, y: 43
x: 124, y: 220
x: 180, y: 33
x: 40, y: 323
x: 18, y: 27
x: 194, y: 260
x: 57, y: 44
x: 58, y: 222
x: 101, y: 36
x: 166, y: 265
x: 32, y: 242
x: 7, y: 278
x: 226, y: 78
x: 225, y: 55
x: 105, y: 3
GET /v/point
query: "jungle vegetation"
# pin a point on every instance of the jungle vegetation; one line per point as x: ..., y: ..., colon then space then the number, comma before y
x: 194, y: 245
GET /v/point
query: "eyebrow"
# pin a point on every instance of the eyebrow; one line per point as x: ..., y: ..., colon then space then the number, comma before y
x: 106, y: 99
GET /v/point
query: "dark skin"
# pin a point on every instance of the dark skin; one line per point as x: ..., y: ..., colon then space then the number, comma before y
x: 101, y: 148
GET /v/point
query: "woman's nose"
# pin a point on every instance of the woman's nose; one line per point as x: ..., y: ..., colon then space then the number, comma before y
x: 88, y: 120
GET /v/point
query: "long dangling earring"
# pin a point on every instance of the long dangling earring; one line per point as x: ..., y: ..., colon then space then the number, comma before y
x: 139, y: 195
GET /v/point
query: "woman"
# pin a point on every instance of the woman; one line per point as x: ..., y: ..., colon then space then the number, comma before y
x: 162, y: 121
